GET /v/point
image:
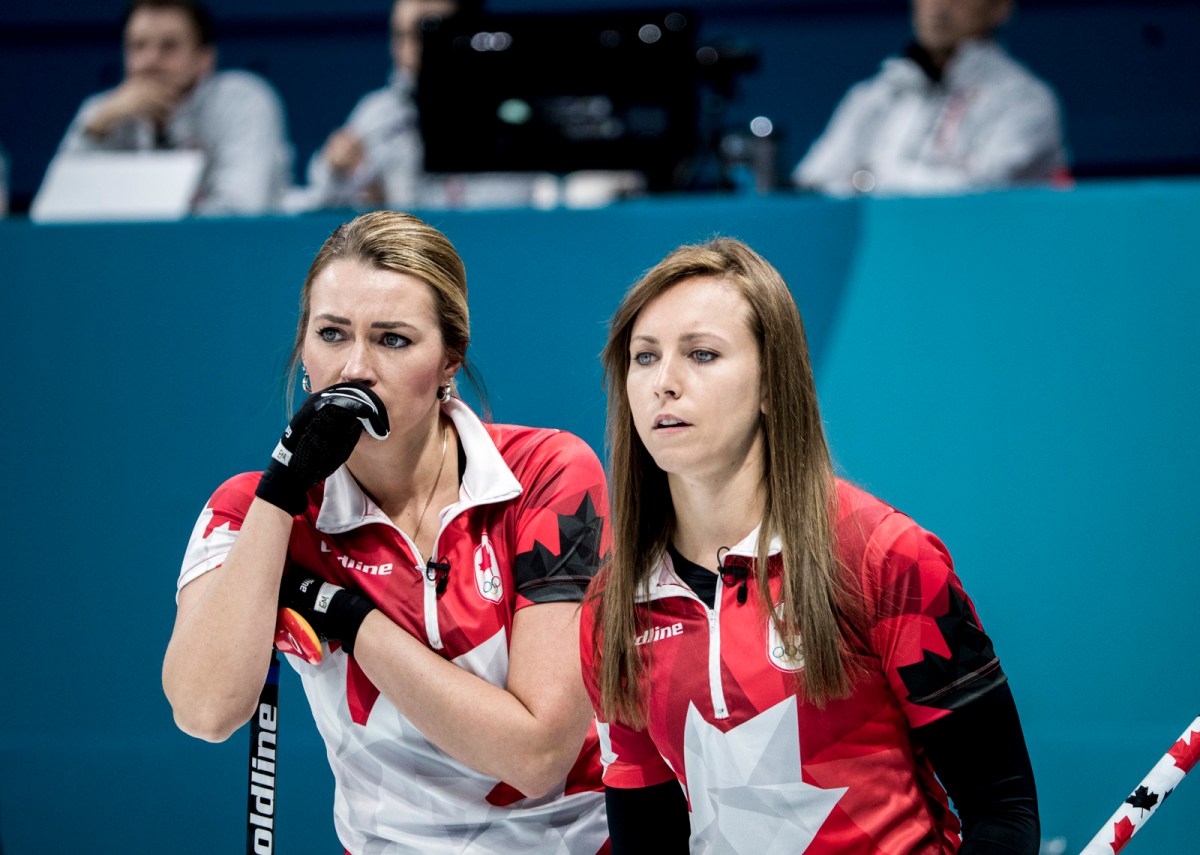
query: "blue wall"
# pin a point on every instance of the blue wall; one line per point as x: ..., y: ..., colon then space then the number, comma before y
x: 1126, y: 71
x: 1018, y: 371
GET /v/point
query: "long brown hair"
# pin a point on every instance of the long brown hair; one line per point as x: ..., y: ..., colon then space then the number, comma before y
x: 817, y: 597
x: 390, y: 240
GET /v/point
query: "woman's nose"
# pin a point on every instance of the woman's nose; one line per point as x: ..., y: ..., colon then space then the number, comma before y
x: 358, y: 365
x: 666, y: 379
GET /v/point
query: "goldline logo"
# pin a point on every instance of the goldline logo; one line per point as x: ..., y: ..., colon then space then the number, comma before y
x: 262, y: 782
x: 351, y: 564
x: 658, y: 633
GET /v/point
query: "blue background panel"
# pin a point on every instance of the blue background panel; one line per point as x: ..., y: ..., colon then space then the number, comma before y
x: 1015, y: 370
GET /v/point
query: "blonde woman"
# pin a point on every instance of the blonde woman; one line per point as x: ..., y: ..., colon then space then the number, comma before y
x: 779, y: 661
x: 440, y: 559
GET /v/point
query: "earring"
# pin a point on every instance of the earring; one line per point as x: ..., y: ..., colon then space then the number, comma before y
x: 306, y: 382
x: 443, y: 392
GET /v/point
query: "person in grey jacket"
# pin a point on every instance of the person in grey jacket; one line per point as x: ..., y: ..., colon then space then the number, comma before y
x: 955, y: 114
x: 171, y: 98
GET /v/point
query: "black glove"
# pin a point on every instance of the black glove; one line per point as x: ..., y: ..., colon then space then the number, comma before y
x: 319, y: 439
x: 335, y: 613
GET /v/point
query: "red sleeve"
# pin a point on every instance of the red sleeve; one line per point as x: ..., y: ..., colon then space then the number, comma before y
x: 217, y: 527
x: 629, y: 756
x: 562, y: 529
x: 934, y: 652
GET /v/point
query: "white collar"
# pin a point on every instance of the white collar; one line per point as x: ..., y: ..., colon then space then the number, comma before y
x: 748, y: 545
x: 487, y: 479
x: 663, y: 581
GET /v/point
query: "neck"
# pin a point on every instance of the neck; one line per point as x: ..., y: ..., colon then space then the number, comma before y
x: 400, y: 473
x: 717, y: 510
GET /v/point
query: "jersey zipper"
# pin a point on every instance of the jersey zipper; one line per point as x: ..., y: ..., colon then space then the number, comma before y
x: 720, y: 710
x: 716, y: 689
x: 433, y: 631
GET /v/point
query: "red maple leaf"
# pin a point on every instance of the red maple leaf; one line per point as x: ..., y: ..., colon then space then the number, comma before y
x: 503, y: 795
x: 361, y: 693
x: 1185, y: 755
x: 1122, y: 831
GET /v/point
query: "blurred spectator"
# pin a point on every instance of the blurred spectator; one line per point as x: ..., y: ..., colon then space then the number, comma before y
x: 377, y: 157
x: 171, y: 98
x: 955, y: 113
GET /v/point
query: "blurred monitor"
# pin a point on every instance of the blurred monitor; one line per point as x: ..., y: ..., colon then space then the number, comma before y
x: 560, y: 93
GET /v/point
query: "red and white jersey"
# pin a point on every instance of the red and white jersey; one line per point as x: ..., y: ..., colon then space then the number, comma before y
x: 529, y: 527
x: 763, y: 769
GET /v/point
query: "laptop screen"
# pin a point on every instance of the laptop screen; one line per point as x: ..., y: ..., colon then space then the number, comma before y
x: 113, y: 186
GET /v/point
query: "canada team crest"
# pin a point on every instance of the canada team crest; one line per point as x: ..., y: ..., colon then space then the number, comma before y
x: 487, y: 572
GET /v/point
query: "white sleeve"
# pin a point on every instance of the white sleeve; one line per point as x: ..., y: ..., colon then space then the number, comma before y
x: 247, y: 169
x: 842, y: 148
x: 206, y: 550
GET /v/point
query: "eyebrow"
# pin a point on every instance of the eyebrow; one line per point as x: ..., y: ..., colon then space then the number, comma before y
x: 376, y: 325
x: 686, y: 337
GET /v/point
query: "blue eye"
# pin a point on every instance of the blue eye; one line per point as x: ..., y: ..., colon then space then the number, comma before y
x: 330, y: 334
x: 643, y: 357
x: 703, y: 355
x: 395, y: 340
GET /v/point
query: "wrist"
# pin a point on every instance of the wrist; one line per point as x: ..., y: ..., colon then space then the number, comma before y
x: 280, y: 487
x: 347, y: 611
x: 99, y: 125
x: 334, y: 612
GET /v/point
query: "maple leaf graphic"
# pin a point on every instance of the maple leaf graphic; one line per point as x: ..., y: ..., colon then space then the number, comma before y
x: 1122, y: 831
x: 558, y: 577
x: 1186, y: 754
x: 746, y: 786
x: 971, y: 652
x: 1142, y: 799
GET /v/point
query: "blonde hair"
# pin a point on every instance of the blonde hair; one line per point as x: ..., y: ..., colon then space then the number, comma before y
x: 817, y: 598
x: 390, y: 240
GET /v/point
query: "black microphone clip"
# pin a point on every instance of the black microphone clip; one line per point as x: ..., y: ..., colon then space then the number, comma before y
x: 734, y: 574
x: 438, y: 571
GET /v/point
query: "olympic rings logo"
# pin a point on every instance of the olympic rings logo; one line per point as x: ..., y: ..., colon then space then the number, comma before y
x: 487, y: 573
x: 785, y: 657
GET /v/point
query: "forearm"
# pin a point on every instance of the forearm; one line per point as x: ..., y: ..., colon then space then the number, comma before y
x: 220, y: 648
x: 645, y: 819
x: 529, y: 744
x: 979, y: 754
x: 329, y: 188
x: 101, y: 121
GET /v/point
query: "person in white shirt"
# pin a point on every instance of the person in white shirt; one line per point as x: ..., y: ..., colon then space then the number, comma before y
x: 172, y: 98
x: 956, y: 113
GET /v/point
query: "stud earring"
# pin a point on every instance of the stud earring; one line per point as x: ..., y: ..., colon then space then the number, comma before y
x: 443, y: 392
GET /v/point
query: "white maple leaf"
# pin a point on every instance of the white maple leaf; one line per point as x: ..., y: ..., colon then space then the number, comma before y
x: 745, y: 785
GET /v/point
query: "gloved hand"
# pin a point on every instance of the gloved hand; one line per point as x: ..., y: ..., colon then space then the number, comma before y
x: 318, y: 440
x: 295, y: 635
x: 330, y: 611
